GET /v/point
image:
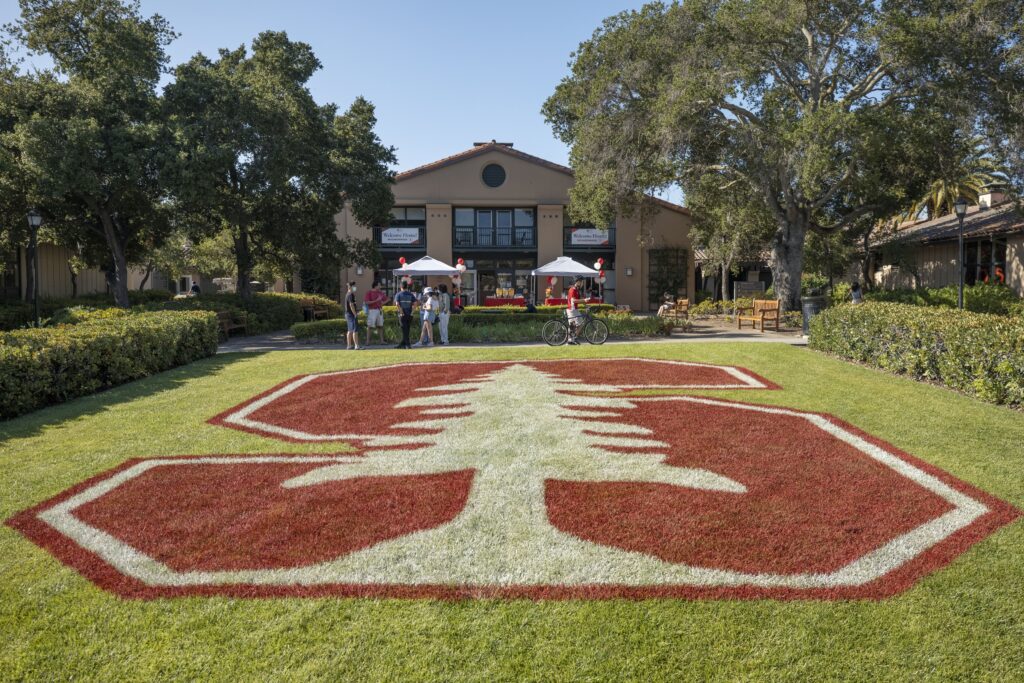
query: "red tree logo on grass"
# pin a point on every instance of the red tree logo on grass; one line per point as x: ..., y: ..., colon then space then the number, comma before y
x: 542, y: 479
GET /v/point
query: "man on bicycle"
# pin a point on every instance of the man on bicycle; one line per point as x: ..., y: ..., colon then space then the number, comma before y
x: 572, y: 311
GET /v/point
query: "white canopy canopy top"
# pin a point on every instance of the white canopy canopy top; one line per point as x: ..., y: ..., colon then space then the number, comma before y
x: 564, y: 266
x: 426, y: 266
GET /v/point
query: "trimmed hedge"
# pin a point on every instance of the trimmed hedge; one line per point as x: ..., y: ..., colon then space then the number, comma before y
x: 979, y: 298
x: 265, y: 312
x: 48, y: 365
x: 482, y: 328
x: 976, y: 353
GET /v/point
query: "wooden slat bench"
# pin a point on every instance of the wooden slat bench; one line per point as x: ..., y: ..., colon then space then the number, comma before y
x: 313, y: 310
x: 761, y: 312
x: 228, y: 323
x: 681, y: 311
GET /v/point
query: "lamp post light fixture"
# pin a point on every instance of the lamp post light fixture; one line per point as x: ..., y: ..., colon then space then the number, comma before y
x: 35, y: 219
x: 960, y: 207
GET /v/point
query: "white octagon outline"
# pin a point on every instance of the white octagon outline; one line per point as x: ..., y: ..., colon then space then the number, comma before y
x: 869, y: 567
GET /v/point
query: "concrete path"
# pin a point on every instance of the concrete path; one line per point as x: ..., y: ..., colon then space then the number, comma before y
x: 702, y: 332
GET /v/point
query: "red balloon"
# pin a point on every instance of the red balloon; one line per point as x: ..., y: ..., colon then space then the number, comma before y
x: 401, y: 259
x: 601, y: 261
x: 461, y: 261
x: 601, y: 274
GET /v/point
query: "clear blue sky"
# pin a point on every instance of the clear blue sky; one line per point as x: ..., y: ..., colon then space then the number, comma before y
x: 441, y: 73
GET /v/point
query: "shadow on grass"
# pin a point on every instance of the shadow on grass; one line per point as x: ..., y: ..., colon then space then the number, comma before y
x: 32, y: 424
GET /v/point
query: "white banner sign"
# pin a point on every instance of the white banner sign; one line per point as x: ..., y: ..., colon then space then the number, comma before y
x: 400, y: 236
x: 592, y: 237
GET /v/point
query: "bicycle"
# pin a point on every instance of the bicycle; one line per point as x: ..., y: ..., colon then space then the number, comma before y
x: 594, y: 331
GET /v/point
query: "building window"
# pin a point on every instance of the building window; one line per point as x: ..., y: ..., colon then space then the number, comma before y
x: 493, y: 175
x: 495, y: 228
x: 10, y: 276
x: 406, y: 230
x: 667, y: 273
x: 583, y: 236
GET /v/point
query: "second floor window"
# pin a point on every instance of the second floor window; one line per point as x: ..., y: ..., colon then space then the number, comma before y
x: 501, y: 228
x: 407, y: 228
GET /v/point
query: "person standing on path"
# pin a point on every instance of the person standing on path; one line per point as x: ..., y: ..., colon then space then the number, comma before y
x: 406, y: 302
x: 572, y: 310
x: 428, y: 309
x: 352, y: 319
x: 444, y: 313
x: 373, y: 302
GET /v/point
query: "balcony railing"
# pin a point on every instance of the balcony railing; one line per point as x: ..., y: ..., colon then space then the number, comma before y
x: 579, y: 237
x: 495, y: 238
x: 401, y: 238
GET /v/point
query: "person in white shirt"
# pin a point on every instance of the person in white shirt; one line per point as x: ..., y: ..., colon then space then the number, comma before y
x: 428, y: 313
x: 444, y: 312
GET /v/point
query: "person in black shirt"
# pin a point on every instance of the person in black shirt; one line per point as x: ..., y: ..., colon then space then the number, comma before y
x: 405, y: 301
x: 351, y: 319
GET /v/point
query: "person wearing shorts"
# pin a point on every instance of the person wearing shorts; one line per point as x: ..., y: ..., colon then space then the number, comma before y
x: 352, y: 319
x: 373, y: 302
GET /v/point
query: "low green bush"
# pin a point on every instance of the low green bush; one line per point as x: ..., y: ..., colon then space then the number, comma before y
x: 975, y: 353
x: 979, y: 298
x: 265, y: 312
x: 43, y: 366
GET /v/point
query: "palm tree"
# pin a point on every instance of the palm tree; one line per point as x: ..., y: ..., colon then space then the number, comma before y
x: 968, y: 177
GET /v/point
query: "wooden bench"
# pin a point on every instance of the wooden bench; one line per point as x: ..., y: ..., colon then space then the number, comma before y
x: 681, y: 311
x: 761, y: 312
x: 229, y: 324
x: 313, y: 310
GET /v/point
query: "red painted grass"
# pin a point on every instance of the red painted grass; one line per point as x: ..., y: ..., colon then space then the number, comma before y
x: 231, y: 517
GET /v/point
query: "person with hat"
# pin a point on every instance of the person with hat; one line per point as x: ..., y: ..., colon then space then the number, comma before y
x: 428, y: 312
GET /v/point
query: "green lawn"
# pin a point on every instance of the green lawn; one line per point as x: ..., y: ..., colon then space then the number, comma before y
x: 965, y: 621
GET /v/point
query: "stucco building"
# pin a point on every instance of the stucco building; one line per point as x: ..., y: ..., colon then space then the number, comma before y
x: 925, y: 253
x: 505, y: 213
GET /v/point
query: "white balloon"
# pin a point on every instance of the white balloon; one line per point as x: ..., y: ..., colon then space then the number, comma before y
x: 597, y: 265
x: 461, y: 268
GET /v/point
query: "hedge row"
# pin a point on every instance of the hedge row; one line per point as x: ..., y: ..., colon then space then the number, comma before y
x: 265, y: 312
x: 979, y: 298
x: 975, y: 353
x: 476, y: 328
x: 48, y: 365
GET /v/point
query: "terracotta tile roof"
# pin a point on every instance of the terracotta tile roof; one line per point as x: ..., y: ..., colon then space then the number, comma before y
x: 1001, y: 219
x: 511, y: 151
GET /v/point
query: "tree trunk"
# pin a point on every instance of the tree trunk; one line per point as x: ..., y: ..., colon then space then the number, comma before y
x: 145, y: 278
x: 865, y: 271
x: 74, y: 281
x: 120, y: 272
x: 788, y: 262
x: 725, y: 282
x: 243, y: 259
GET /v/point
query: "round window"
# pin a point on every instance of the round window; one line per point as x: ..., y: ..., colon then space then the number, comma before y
x: 494, y: 175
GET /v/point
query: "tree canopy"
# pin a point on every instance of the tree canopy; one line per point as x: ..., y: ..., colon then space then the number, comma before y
x: 828, y: 111
x: 259, y: 157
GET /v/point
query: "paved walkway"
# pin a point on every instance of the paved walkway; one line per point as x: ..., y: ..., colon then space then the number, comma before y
x: 703, y: 331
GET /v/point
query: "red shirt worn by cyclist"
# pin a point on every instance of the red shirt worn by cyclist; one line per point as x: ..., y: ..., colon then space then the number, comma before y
x: 572, y: 311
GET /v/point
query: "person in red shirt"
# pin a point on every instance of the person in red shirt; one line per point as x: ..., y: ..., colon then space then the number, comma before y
x: 373, y: 302
x: 572, y: 311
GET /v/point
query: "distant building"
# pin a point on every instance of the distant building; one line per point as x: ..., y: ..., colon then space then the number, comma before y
x: 505, y: 213
x: 925, y: 252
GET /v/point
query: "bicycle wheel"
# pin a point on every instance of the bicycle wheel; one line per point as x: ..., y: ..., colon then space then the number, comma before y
x: 554, y: 332
x: 595, y: 331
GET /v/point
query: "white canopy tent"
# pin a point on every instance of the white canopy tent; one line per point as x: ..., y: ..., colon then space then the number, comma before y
x: 427, y: 265
x: 563, y: 266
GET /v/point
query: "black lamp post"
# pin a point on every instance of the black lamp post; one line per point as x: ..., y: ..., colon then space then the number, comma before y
x: 960, y: 207
x: 35, y: 219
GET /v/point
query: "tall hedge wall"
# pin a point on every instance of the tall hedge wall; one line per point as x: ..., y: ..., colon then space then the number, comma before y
x: 976, y: 353
x: 39, y: 367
